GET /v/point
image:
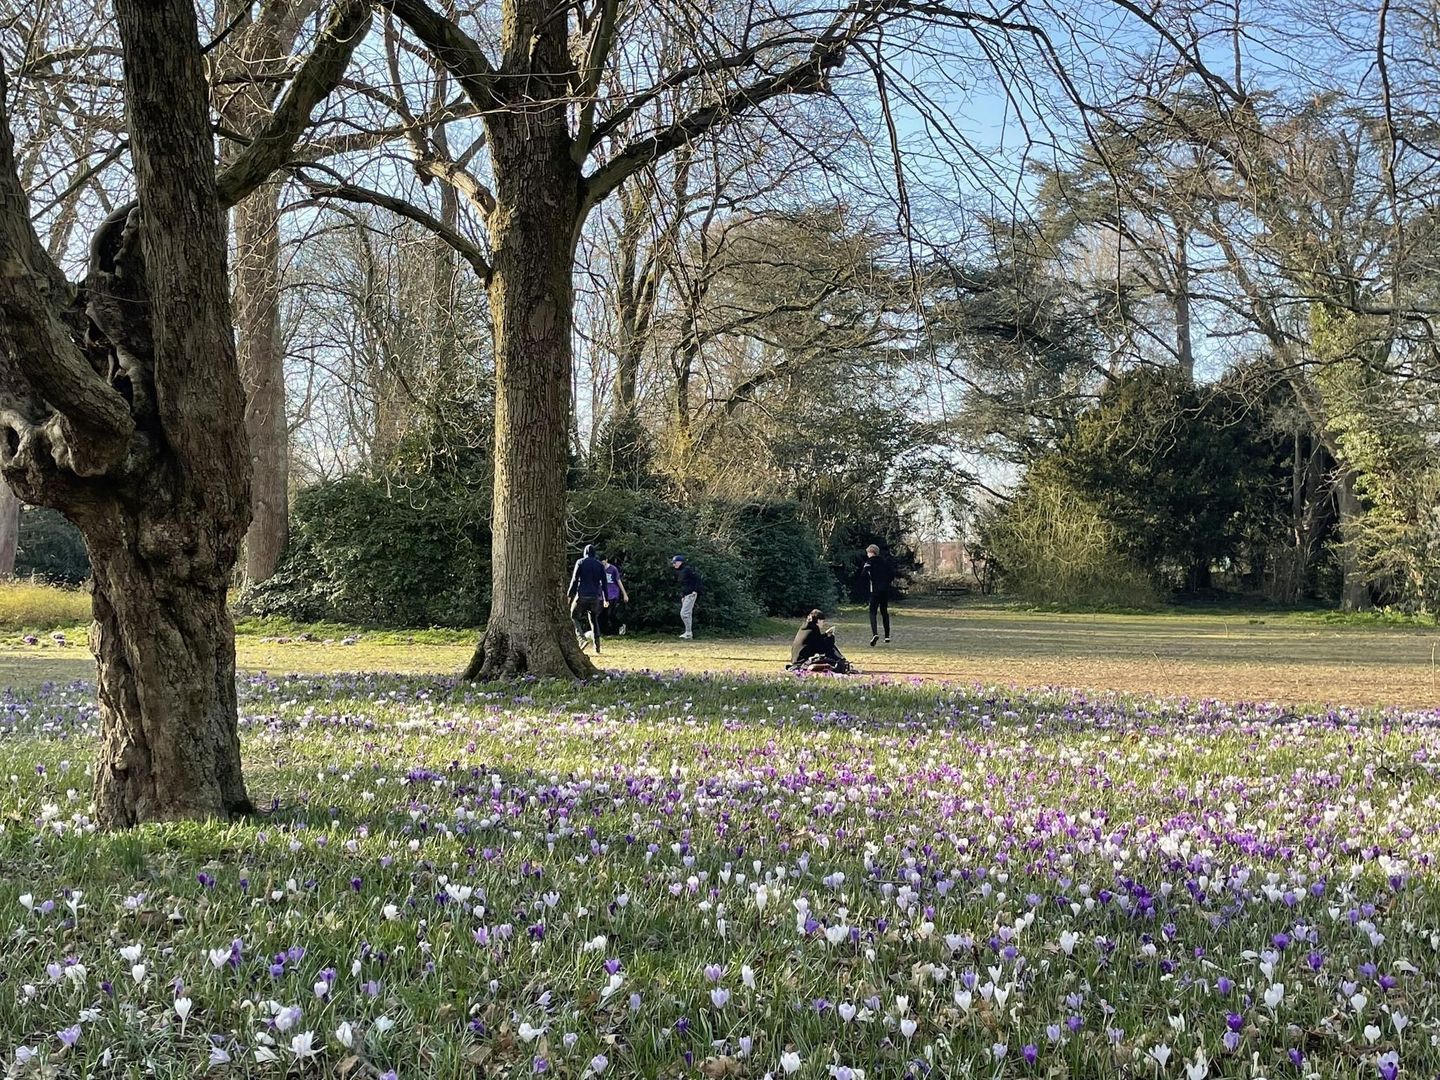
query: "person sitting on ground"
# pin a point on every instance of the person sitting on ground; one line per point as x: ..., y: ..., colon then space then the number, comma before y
x: 814, y: 646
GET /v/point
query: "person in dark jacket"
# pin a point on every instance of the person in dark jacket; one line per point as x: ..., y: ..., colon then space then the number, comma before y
x: 587, y: 597
x: 815, y: 641
x: 616, y: 595
x: 878, y: 574
x: 690, y: 586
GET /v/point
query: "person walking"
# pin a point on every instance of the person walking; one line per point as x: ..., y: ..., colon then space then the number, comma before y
x: 615, y: 595
x: 587, y: 597
x: 690, y: 586
x: 878, y: 574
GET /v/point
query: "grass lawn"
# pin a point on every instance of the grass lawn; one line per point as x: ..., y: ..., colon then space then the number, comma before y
x: 729, y: 877
x: 1232, y: 656
x: 716, y: 875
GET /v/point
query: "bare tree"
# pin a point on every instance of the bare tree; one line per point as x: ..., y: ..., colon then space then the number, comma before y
x: 556, y: 87
x: 249, y: 75
x: 122, y: 407
x: 395, y: 347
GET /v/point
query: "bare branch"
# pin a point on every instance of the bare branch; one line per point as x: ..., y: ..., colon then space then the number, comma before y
x: 809, y: 76
x: 454, y: 48
x: 593, y: 70
x: 335, y: 188
x: 320, y: 74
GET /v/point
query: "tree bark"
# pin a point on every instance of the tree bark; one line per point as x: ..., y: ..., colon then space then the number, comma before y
x: 165, y: 650
x: 261, y: 356
x: 1184, y: 334
x: 1355, y: 590
x: 9, y: 530
x: 532, y: 302
x: 163, y: 546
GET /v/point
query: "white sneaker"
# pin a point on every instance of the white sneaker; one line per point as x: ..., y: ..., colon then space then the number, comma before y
x: 687, y: 637
x: 589, y: 635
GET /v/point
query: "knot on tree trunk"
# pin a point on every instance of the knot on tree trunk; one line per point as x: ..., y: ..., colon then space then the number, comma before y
x: 117, y: 303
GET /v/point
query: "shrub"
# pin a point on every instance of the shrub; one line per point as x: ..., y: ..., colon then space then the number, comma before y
x: 50, y: 548
x: 642, y: 532
x: 848, y: 542
x: 372, y: 553
x: 1052, y: 547
x: 780, y: 549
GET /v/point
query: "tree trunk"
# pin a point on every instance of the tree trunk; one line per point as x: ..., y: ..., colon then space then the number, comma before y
x: 165, y: 649
x: 1184, y: 336
x: 629, y: 298
x: 124, y: 410
x: 261, y: 355
x: 9, y: 530
x: 1355, y: 591
x: 258, y: 50
x: 532, y: 235
x: 684, y: 365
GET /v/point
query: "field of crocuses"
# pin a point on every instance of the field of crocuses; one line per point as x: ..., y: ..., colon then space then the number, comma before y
x: 724, y: 877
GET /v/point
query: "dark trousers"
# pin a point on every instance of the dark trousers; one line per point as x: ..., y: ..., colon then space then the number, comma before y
x: 613, y: 617
x: 880, y: 604
x: 587, y: 614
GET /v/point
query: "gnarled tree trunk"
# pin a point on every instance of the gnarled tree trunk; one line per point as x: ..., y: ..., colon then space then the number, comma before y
x: 121, y: 405
x: 165, y: 650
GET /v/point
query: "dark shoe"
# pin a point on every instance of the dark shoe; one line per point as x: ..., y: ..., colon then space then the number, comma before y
x: 887, y: 641
x: 874, y: 638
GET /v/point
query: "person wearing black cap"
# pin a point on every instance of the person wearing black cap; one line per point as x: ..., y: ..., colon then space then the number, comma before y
x: 689, y: 593
x: 587, y: 597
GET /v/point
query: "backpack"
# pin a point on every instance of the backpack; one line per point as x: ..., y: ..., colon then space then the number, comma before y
x: 823, y: 665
